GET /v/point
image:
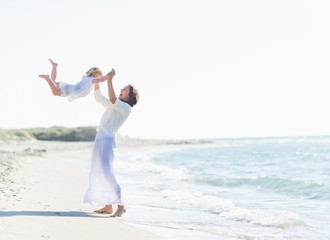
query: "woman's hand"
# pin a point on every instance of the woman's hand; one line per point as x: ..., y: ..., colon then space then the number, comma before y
x: 111, y: 74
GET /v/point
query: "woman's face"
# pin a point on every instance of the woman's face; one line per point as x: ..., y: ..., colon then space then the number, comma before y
x: 124, y: 94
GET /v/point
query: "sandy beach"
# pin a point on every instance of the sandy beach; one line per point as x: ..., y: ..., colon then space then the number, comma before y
x: 172, y: 189
x: 41, y: 195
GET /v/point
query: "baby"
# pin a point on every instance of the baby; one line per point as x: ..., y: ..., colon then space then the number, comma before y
x: 73, y: 91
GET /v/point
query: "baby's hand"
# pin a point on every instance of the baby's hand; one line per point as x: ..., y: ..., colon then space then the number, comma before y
x: 112, y: 72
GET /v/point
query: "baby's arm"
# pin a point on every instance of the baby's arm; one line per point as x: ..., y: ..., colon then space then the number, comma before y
x: 98, y: 80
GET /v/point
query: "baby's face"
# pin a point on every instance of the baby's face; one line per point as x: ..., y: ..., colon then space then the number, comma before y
x: 97, y: 75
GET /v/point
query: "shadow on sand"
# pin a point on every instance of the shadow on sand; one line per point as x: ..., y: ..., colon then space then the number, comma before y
x: 51, y: 214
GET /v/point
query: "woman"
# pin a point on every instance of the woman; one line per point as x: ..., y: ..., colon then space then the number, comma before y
x: 103, y: 188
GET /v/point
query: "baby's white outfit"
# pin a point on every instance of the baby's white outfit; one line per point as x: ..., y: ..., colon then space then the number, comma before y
x: 80, y: 89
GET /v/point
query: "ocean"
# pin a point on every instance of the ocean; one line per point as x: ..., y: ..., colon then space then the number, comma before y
x: 258, y: 188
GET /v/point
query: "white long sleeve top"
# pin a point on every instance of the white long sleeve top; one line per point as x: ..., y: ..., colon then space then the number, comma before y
x: 115, y: 114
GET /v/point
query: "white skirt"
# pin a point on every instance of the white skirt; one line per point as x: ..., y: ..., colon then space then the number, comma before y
x: 103, y: 188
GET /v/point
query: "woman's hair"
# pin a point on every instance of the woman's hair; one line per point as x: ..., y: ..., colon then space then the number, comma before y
x: 93, y: 70
x: 133, y: 95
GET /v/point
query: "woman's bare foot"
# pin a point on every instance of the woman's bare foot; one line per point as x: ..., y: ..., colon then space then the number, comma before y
x: 107, y: 209
x: 53, y: 63
x: 120, y: 211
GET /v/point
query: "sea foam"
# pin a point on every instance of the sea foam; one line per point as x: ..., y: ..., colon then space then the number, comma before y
x: 227, y: 209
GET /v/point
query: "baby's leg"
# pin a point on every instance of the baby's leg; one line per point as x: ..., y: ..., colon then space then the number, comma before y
x: 55, y: 90
x: 54, y: 73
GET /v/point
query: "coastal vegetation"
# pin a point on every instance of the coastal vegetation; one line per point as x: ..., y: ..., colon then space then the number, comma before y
x: 55, y: 133
x: 85, y: 134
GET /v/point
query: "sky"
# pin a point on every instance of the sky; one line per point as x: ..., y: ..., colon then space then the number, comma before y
x: 204, y: 69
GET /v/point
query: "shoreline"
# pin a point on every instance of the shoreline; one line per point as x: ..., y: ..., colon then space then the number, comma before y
x: 41, y: 195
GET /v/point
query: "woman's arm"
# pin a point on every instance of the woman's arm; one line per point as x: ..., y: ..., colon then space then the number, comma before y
x: 99, y: 97
x: 111, y: 91
x: 96, y: 86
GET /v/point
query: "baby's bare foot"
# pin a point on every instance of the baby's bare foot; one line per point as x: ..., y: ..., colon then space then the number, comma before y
x: 46, y: 77
x: 53, y: 63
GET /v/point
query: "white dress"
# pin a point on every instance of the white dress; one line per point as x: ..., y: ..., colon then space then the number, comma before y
x: 80, y: 89
x: 103, y: 188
